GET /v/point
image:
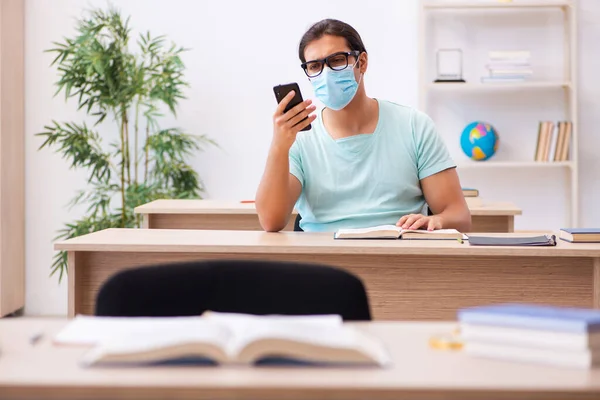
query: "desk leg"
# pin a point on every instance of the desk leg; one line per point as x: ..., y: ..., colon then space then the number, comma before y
x: 74, y: 305
x: 511, y: 223
x: 596, y: 284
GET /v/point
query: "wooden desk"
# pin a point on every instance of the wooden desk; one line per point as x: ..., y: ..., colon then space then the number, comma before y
x: 229, y: 215
x: 45, y: 371
x: 406, y: 279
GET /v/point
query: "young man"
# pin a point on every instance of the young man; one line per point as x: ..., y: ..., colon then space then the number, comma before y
x: 365, y: 162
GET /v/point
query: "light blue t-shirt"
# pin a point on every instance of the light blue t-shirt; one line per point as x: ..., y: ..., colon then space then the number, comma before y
x: 368, y: 179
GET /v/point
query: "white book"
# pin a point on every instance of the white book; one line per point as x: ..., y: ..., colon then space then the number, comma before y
x: 236, y: 339
x: 87, y: 330
x: 511, y: 72
x: 396, y: 232
x: 530, y: 338
x: 501, y: 80
x: 582, y: 359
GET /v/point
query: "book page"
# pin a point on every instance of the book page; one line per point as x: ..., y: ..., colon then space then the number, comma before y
x: 326, y: 336
x: 86, y: 330
x: 163, y: 341
x: 435, y: 232
x: 425, y: 231
x: 371, y: 229
x: 245, y: 327
x: 239, y: 323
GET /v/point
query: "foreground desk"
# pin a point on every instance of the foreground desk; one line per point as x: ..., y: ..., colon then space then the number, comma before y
x: 405, y: 279
x: 45, y: 371
x: 212, y: 214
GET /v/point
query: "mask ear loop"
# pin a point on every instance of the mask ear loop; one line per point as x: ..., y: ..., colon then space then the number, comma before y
x: 357, y: 64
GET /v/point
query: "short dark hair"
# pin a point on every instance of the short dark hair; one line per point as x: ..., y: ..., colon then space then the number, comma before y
x: 331, y: 27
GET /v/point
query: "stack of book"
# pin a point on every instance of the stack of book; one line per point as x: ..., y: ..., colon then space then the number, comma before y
x: 544, y: 146
x: 472, y: 197
x: 508, y: 66
x: 557, y: 336
x: 580, y: 235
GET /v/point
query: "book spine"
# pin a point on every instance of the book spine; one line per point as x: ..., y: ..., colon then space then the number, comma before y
x: 543, y: 140
x: 550, y: 130
x: 559, y: 142
x: 539, y: 141
x: 566, y: 147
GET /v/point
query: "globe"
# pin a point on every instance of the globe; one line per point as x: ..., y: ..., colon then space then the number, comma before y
x: 479, y: 141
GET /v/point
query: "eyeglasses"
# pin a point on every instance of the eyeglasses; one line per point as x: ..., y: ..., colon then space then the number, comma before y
x: 336, y: 61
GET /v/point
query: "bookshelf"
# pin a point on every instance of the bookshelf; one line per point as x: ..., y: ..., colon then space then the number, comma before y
x: 12, y: 158
x: 493, y: 4
x: 492, y: 87
x: 562, y: 88
x: 515, y: 164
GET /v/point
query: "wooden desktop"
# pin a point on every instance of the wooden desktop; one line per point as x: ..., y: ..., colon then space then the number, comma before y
x: 46, y: 371
x: 231, y: 215
x: 405, y: 279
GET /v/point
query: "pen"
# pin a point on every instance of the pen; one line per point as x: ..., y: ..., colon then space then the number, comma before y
x: 35, y: 338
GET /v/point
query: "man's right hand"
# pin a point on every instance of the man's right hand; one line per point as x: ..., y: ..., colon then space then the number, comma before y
x: 287, y: 125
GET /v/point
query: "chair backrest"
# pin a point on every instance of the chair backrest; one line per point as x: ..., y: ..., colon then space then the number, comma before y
x: 239, y: 286
x: 297, y: 224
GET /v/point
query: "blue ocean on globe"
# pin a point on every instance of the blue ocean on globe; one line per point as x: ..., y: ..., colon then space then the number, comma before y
x: 479, y: 141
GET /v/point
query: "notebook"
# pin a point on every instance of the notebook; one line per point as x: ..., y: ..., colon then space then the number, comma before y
x: 529, y: 337
x: 542, y: 240
x: 532, y: 316
x: 234, y: 339
x: 583, y: 359
x: 580, y: 235
x: 395, y: 232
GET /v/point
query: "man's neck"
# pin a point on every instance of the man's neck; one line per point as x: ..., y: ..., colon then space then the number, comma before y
x: 360, y: 116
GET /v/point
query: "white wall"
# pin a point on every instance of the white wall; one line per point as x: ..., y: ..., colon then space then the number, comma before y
x: 239, y: 50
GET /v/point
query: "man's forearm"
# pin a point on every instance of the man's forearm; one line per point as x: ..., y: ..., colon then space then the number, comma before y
x: 273, y: 195
x: 457, y: 217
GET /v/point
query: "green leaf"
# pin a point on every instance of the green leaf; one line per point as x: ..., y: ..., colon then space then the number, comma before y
x: 99, y: 69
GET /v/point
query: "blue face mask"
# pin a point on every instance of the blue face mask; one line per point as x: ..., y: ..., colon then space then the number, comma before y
x: 335, y: 89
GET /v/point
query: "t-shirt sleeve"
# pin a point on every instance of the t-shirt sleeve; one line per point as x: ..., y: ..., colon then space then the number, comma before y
x: 432, y: 154
x: 296, y: 162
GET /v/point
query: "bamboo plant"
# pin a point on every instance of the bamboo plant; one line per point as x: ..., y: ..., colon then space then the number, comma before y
x: 128, y: 86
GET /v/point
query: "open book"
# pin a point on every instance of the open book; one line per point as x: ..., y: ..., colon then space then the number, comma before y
x: 395, y: 232
x: 233, y: 339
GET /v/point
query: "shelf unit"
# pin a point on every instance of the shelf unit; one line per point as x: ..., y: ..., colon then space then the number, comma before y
x: 568, y: 86
x: 501, y: 4
x: 491, y: 87
x: 515, y: 164
x: 12, y: 157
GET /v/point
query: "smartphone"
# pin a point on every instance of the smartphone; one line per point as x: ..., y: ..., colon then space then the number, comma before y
x: 282, y: 90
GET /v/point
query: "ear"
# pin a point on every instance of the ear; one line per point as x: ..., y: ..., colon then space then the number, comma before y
x: 363, y: 62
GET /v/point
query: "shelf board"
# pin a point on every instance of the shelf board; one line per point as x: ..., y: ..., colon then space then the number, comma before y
x: 488, y: 87
x: 473, y: 4
x: 515, y: 164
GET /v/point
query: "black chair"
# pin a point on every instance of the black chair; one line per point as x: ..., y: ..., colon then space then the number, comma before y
x: 297, y: 224
x: 241, y: 286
